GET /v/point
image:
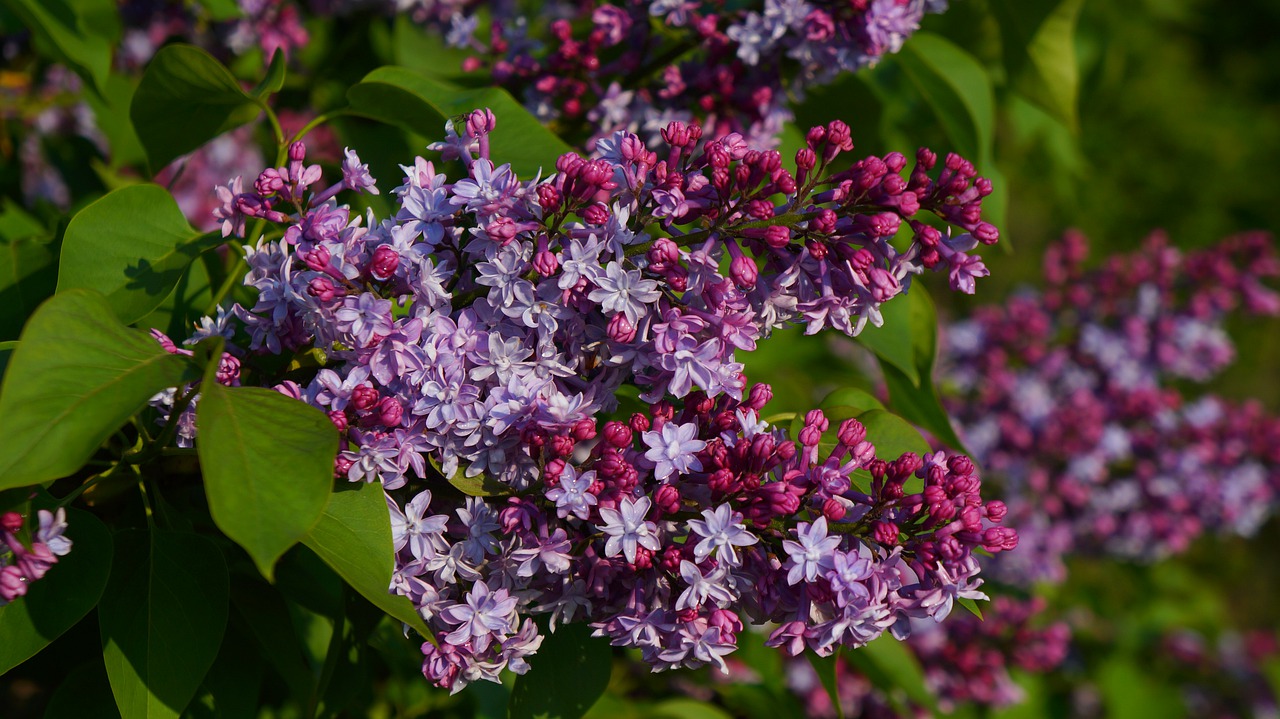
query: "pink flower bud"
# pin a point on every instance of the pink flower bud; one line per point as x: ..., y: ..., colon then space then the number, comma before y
x: 390, y: 412
x: 618, y: 434
x: 833, y: 510
x: 297, y: 151
x: 851, y: 432
x: 885, y: 533
x: 323, y: 289
x: 317, y: 259
x: 667, y: 499
x: 621, y: 330
x: 596, y: 214
x: 384, y: 263
x: 12, y: 583
x: 11, y: 522
x: 744, y: 272
x: 365, y: 397
x: 339, y: 419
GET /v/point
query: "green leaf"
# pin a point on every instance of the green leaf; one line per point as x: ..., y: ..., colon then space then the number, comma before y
x: 83, y: 693
x: 971, y: 605
x: 826, y: 668
x: 267, y: 462
x: 235, y: 679
x: 221, y: 9
x: 354, y: 537
x: 566, y: 676
x: 274, y: 79
x: 76, y: 377
x: 111, y: 113
x: 274, y: 637
x: 1130, y: 692
x: 892, y: 435
x: 918, y: 401
x: 851, y: 397
x: 133, y: 246
x: 1040, y: 53
x: 891, y: 666
x: 892, y: 342
x: 162, y: 619
x: 28, y: 266
x: 958, y: 89
x: 410, y: 100
x: 186, y: 98
x: 424, y: 51
x: 59, y: 600
x: 77, y: 33
x: 481, y: 485
x: 183, y: 308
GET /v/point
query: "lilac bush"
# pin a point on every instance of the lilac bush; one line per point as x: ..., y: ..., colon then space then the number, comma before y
x: 483, y: 334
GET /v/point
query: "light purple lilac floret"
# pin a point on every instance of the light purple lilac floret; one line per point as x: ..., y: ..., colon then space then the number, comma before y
x: 482, y: 337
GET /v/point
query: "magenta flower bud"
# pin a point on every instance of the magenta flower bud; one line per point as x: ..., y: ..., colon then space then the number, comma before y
x: 996, y: 510
x: 806, y: 159
x: 727, y: 622
x: 341, y: 465
x: 885, y: 533
x: 596, y: 214
x: 584, y: 430
x: 317, y: 259
x: 833, y: 510
x: 384, y: 263
x: 365, y: 397
x: 11, y: 522
x: 12, y: 583
x: 548, y: 198
x: 228, y: 370
x: 297, y: 151
x: 744, y: 272
x: 269, y: 182
x: 815, y: 136
x: 998, y: 539
x: 339, y: 419
x: 667, y: 499
x: 503, y: 230
x: 759, y: 396
x: 675, y: 134
x: 817, y: 250
x: 664, y: 252
x: 851, y: 432
x: 545, y: 263
x: 552, y: 471
x: 561, y: 445
x: 617, y: 434
x: 569, y: 164
x: 390, y: 412
x: 481, y: 122
x: 621, y: 330
x: 960, y: 464
x: 986, y: 233
x: 639, y: 423
x: 323, y: 289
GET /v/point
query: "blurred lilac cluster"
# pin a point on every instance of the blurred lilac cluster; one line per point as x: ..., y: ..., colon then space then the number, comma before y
x: 26, y: 553
x: 484, y: 334
x: 640, y: 64
x: 1071, y: 398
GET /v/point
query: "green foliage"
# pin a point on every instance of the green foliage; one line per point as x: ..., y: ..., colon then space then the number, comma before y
x: 353, y: 536
x: 77, y: 33
x: 958, y: 89
x: 76, y: 377
x: 28, y: 266
x: 134, y: 245
x: 1040, y: 52
x: 186, y: 98
x: 566, y: 676
x: 54, y: 604
x: 267, y: 462
x: 892, y: 668
x: 399, y: 96
x: 162, y: 619
x: 826, y: 668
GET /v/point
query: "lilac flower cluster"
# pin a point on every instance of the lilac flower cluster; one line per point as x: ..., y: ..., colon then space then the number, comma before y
x: 482, y: 336
x: 637, y: 66
x: 1069, y: 397
x: 25, y: 557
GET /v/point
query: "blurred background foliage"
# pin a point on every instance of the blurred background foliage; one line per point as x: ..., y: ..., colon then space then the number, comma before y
x: 1166, y: 116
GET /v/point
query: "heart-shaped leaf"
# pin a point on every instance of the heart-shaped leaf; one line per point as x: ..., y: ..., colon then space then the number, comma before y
x: 133, y: 246
x: 76, y: 376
